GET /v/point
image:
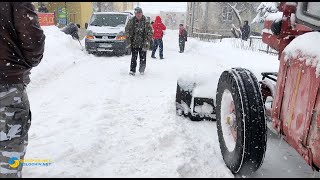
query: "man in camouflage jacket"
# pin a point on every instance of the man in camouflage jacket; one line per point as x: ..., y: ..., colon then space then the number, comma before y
x: 21, y: 48
x: 139, y: 33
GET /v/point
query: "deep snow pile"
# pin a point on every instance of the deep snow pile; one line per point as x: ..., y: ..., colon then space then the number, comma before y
x: 61, y: 52
x: 94, y: 120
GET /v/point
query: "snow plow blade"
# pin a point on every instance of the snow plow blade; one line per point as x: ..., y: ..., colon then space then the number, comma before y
x: 195, y: 108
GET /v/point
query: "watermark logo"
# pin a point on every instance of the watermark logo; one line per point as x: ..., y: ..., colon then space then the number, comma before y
x: 14, y: 162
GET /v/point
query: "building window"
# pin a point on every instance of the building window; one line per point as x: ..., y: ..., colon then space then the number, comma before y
x: 227, y: 13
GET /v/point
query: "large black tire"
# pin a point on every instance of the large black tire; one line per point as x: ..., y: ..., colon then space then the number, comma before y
x: 251, y: 138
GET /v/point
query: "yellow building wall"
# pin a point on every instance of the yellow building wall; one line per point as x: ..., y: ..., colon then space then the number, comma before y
x: 77, y: 12
x: 80, y: 12
x: 86, y: 12
x: 74, y: 12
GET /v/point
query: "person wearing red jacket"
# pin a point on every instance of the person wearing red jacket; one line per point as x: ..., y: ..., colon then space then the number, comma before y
x: 158, y: 28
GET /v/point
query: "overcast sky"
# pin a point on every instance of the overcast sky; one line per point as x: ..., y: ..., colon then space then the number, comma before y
x: 156, y: 7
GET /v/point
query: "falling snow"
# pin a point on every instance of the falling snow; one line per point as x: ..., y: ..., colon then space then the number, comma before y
x: 127, y: 125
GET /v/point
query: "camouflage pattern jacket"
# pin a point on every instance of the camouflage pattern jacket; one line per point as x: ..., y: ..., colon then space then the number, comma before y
x: 139, y: 33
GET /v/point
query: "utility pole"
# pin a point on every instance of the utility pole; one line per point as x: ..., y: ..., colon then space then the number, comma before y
x: 99, y: 6
x: 65, y: 7
x: 192, y: 22
x: 206, y: 17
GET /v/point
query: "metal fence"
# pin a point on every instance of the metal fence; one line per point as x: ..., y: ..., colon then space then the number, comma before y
x: 254, y: 43
x: 208, y: 37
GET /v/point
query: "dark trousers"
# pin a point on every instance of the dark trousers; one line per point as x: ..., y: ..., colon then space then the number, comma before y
x: 151, y: 45
x: 182, y: 43
x: 143, y: 59
x: 156, y: 43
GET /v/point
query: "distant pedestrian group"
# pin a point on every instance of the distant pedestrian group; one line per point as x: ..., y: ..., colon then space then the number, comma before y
x: 143, y: 35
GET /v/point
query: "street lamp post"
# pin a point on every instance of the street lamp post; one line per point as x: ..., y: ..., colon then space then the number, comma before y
x: 192, y: 22
x: 65, y: 7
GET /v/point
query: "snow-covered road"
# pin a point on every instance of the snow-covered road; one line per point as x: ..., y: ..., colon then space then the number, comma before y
x: 94, y: 120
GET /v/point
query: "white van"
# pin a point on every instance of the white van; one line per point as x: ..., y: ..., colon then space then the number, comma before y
x: 105, y: 33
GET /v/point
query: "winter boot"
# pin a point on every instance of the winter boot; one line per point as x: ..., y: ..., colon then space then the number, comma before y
x: 131, y: 73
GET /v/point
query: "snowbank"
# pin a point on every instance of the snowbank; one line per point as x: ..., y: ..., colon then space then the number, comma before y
x: 94, y: 120
x: 305, y: 48
x: 61, y: 52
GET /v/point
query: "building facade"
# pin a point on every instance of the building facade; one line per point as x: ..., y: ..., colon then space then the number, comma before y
x: 123, y: 6
x: 113, y: 6
x: 173, y: 19
x: 218, y: 17
x: 66, y: 12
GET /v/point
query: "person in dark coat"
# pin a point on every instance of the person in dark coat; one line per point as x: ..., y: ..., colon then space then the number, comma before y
x: 245, y: 31
x: 139, y: 33
x: 72, y: 29
x: 158, y: 28
x: 22, y: 44
x: 183, y: 37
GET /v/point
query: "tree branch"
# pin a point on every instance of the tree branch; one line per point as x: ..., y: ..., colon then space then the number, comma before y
x: 236, y: 12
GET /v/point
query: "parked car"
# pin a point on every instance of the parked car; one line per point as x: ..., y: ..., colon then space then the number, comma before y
x: 106, y: 33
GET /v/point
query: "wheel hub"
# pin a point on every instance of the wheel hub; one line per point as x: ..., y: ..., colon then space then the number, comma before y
x: 228, y: 120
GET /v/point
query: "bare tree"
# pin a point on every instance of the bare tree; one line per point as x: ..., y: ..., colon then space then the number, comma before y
x: 99, y: 6
x: 238, y: 8
x: 108, y: 6
x: 263, y: 10
x: 103, y: 6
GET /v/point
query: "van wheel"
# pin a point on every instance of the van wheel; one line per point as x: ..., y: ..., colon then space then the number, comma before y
x: 241, y: 122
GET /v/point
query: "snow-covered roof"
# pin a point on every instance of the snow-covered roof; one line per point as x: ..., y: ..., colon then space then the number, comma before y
x: 305, y: 48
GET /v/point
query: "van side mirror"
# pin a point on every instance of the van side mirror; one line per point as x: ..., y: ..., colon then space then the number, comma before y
x: 86, y: 25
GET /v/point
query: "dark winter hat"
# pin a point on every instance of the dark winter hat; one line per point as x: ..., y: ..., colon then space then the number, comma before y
x: 137, y: 10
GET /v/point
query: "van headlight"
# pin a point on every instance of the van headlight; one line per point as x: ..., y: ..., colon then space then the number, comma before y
x: 121, y: 38
x: 89, y: 35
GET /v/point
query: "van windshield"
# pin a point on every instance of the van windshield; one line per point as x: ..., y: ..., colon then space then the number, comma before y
x: 113, y: 20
